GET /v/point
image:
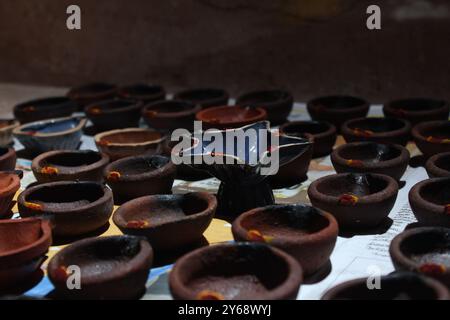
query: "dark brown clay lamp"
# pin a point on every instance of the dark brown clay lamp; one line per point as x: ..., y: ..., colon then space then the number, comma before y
x: 204, y: 97
x: 356, y: 200
x: 417, y: 110
x: 379, y: 130
x: 236, y: 271
x: 114, y: 267
x: 226, y: 117
x: 8, y: 159
x: 160, y: 217
x: 432, y: 137
x: 430, y: 202
x: 306, y: 233
x: 371, y: 157
x: 277, y: 103
x: 68, y: 165
x: 142, y: 92
x: 423, y: 250
x: 324, y: 134
x: 46, y: 108
x: 396, y: 286
x: 9, y: 184
x: 439, y: 165
x: 75, y: 208
x: 87, y: 94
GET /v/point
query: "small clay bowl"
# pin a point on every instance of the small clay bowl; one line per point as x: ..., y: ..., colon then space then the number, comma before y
x: 160, y: 217
x: 324, y: 134
x: 204, y: 97
x: 430, y: 202
x: 139, y: 176
x: 9, y: 184
x: 277, y: 103
x: 75, y: 208
x: 337, y: 109
x: 439, y: 165
x: 46, y: 108
x: 170, y: 115
x: 432, y: 137
x: 425, y: 250
x: 8, y: 159
x: 67, y: 165
x: 379, y: 130
x: 371, y: 157
x: 417, y: 110
x: 90, y: 93
x: 23, y: 245
x: 114, y: 114
x: 226, y: 117
x: 396, y: 286
x: 236, y: 271
x: 6, y: 129
x: 356, y: 200
x: 114, y: 267
x: 122, y: 143
x: 142, y: 92
x: 306, y: 233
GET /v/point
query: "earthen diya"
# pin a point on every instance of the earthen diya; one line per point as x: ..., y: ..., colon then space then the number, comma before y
x: 170, y: 115
x: 226, y: 117
x: 205, y: 97
x: 6, y: 129
x: 87, y: 94
x: 142, y: 92
x: 8, y: 159
x: 9, y: 184
x: 439, y: 165
x: 417, y: 110
x: 45, y: 108
x: 432, y: 137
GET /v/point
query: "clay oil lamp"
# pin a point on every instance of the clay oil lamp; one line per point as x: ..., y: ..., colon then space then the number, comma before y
x: 142, y: 92
x: 396, y: 286
x: 379, y: 130
x: 122, y: 143
x: 23, y: 246
x: 67, y: 165
x: 46, y: 108
x: 417, y: 110
x: 170, y: 115
x: 236, y: 271
x: 114, y: 267
x: 139, y: 176
x: 6, y: 128
x: 306, y: 233
x: 90, y: 93
x: 430, y: 202
x: 75, y: 208
x: 226, y: 117
x: 277, y: 103
x: 424, y: 250
x: 324, y: 134
x: 160, y: 217
x: 356, y: 200
x: 8, y: 159
x: 9, y: 184
x: 337, y: 109
x: 432, y: 137
x: 114, y: 114
x: 53, y: 134
x: 371, y: 157
x: 205, y: 97
x: 439, y: 165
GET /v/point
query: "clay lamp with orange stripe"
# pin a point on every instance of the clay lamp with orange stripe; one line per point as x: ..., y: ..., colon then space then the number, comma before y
x: 236, y: 271
x: 87, y: 94
x: 371, y: 157
x: 44, y: 108
x: 204, y: 97
x: 438, y: 165
x: 432, y: 137
x: 306, y: 233
x: 423, y: 250
x: 357, y: 200
x: 142, y: 92
x: 430, y: 202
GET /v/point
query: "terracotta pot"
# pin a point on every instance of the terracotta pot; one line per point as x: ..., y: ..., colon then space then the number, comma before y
x: 75, y: 208
x: 432, y: 137
x: 204, y: 97
x: 277, y: 103
x: 417, y: 110
x: 439, y: 165
x: 396, y: 286
x: 23, y: 245
x: 8, y: 159
x: 142, y: 92
x: 379, y: 130
x: 225, y: 117
x: 90, y: 93
x: 370, y: 157
x: 236, y: 271
x: 355, y: 200
x: 9, y: 184
x: 135, y: 177
x: 45, y: 108
x: 115, y: 267
x: 430, y: 202
x: 160, y: 217
x: 6, y: 129
x: 306, y: 233
x: 170, y: 115
x: 122, y: 143
x: 423, y: 250
x: 67, y: 165
x: 337, y: 109
x: 324, y: 134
